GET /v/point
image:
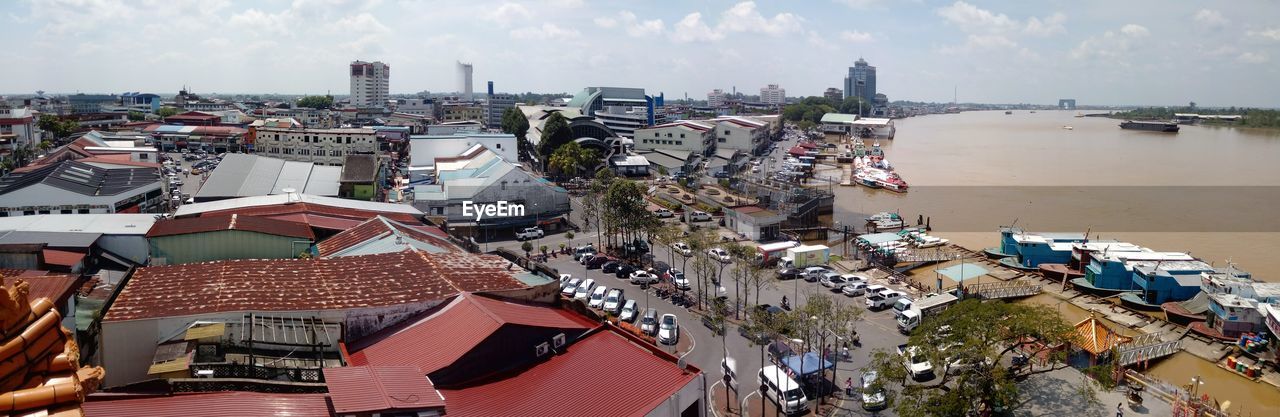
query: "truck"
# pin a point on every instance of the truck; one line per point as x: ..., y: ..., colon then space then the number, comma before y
x: 804, y: 256
x: 769, y: 253
x: 916, y: 363
x: 911, y: 318
x: 529, y: 233
x: 883, y: 300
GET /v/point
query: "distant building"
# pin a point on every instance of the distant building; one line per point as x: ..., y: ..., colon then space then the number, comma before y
x: 772, y: 94
x: 861, y: 81
x: 461, y: 112
x: 18, y: 128
x: 833, y: 94
x: 321, y: 146
x: 194, y: 118
x: 452, y: 128
x: 465, y: 86
x: 622, y: 110
x: 417, y: 106
x: 481, y: 176
x: 370, y: 83
x: 494, y: 107
x: 234, y: 236
x: 70, y: 187
x: 171, y: 138
x: 746, y: 134
x: 696, y: 136
x: 425, y: 149
x: 91, y: 103
x: 716, y: 98
x: 246, y: 175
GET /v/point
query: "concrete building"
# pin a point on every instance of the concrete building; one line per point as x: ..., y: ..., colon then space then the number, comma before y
x: 91, y: 103
x: 495, y: 106
x: 696, y: 136
x: 773, y: 94
x: 453, y: 128
x: 425, y: 149
x: 74, y: 243
x: 716, y: 98
x: 629, y: 165
x: 171, y: 138
x: 672, y: 161
x: 833, y: 94
x: 361, y: 178
x: 465, y: 81
x: 621, y: 109
x: 217, y: 238
x: 462, y: 112
x: 321, y: 146
x: 417, y: 106
x: 69, y: 187
x: 754, y: 222
x: 481, y: 176
x: 370, y: 83
x: 742, y: 133
x: 245, y: 175
x: 18, y: 128
x: 861, y: 81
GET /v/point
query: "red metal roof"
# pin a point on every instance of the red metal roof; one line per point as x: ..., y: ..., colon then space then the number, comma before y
x: 212, y: 404
x: 306, y: 284
x: 454, y: 330
x: 172, y: 227
x: 375, y: 228
x: 62, y: 257
x: 55, y: 287
x: 316, y: 215
x: 603, y: 374
x: 364, y: 389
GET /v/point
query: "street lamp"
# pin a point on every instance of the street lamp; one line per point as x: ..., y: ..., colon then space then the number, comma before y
x: 1196, y: 382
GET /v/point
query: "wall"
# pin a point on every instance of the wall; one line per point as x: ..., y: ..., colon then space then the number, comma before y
x: 692, y: 392
x: 692, y: 140
x: 423, y: 151
x: 224, y: 244
x: 133, y: 247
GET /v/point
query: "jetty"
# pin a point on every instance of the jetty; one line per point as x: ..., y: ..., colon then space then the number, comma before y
x: 1002, y: 290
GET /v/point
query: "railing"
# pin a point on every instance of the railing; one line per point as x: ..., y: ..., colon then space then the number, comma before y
x: 260, y: 372
x: 1009, y: 289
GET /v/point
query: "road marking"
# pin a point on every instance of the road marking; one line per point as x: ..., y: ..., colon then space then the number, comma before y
x: 744, y: 403
x: 711, y: 403
x: 693, y: 342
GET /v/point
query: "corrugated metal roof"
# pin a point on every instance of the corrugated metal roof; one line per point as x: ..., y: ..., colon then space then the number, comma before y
x: 52, y: 239
x: 282, y: 202
x: 603, y: 374
x: 107, y: 224
x: 63, y: 257
x: 456, y: 329
x: 213, y: 404
x: 364, y: 389
x: 42, y: 284
x: 204, y: 224
x: 379, y: 229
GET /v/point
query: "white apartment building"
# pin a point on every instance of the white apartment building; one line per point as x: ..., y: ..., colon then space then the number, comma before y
x: 696, y: 136
x: 370, y: 83
x: 741, y: 133
x: 417, y: 106
x: 772, y: 94
x: 18, y: 128
x: 320, y: 146
x: 715, y: 98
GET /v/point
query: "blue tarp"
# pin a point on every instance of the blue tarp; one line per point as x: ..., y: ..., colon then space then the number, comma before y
x: 810, y: 363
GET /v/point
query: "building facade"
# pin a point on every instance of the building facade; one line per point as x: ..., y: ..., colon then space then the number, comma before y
x: 417, y: 106
x: 460, y: 112
x: 741, y: 133
x: 18, y: 128
x: 694, y: 136
x: 74, y: 187
x: 370, y: 83
x: 833, y: 94
x: 464, y: 80
x: 861, y: 81
x: 320, y: 146
x: 495, y: 106
x: 91, y: 103
x: 773, y: 94
x: 716, y: 98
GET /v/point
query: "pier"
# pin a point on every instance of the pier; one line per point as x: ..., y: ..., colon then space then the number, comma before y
x: 1149, y: 346
x: 1001, y: 290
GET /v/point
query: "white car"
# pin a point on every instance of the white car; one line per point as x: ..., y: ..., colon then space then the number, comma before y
x: 699, y: 216
x: 597, y: 297
x: 719, y: 254
x: 852, y: 278
x: 530, y: 233
x: 570, y: 287
x: 582, y: 250
x: 628, y: 313
x: 813, y: 273
x: 584, y: 289
x: 643, y: 277
x: 833, y: 281
x: 668, y: 330
x: 872, y: 399
x: 564, y: 280
x: 854, y: 289
x: 613, y: 300
x: 680, y: 281
x: 682, y: 249
x: 663, y: 213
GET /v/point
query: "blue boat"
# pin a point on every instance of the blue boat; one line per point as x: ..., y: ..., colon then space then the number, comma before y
x: 1029, y: 250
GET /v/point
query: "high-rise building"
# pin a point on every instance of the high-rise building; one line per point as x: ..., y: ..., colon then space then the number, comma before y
x: 833, y: 93
x: 772, y: 94
x: 370, y: 83
x: 715, y: 98
x: 464, y: 81
x: 495, y: 105
x: 861, y: 81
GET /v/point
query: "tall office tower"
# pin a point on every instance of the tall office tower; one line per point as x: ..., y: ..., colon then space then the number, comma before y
x: 464, y: 81
x: 370, y: 83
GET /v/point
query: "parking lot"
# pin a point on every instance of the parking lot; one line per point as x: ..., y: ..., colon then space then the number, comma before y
x: 191, y: 179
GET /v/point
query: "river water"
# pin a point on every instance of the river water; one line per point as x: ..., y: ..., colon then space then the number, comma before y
x: 1210, y: 191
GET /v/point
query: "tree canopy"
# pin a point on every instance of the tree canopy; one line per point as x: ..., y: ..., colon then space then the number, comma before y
x: 811, y: 109
x: 166, y: 111
x: 571, y: 157
x: 316, y: 102
x: 555, y: 132
x: 60, y: 127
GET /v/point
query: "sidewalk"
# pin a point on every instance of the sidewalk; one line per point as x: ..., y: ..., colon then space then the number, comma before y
x: 1057, y: 393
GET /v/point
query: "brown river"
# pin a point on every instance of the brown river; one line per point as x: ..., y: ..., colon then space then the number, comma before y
x: 1209, y: 191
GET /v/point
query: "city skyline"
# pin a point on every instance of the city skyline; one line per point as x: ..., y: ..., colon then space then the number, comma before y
x: 1143, y: 52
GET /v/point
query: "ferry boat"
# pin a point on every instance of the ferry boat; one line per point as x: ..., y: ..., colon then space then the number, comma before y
x: 886, y: 220
x: 1168, y: 127
x: 889, y: 180
x: 1007, y: 112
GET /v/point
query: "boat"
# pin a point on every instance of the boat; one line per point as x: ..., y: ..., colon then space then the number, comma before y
x: 1068, y: 127
x: 876, y: 151
x: 1079, y: 114
x: 1168, y: 127
x: 995, y: 253
x: 1008, y: 112
x: 1033, y: 111
x: 890, y: 180
x: 861, y: 177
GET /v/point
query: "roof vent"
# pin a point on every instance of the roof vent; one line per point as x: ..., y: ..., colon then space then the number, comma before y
x: 292, y: 195
x: 541, y: 349
x: 558, y: 341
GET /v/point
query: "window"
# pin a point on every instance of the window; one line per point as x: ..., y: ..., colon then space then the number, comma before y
x: 84, y: 211
x: 668, y: 135
x: 722, y: 140
x: 65, y: 211
x: 44, y: 211
x: 726, y: 132
x: 681, y: 136
x: 28, y: 212
x: 142, y: 156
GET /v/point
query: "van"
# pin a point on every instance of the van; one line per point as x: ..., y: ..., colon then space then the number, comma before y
x: 903, y: 304
x: 876, y: 289
x: 783, y: 390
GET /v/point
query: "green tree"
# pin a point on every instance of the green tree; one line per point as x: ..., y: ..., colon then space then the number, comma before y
x: 44, y: 145
x: 526, y: 247
x: 824, y: 320
x: 514, y: 122
x: 978, y: 334
x: 555, y: 132
x: 571, y: 157
x: 316, y: 102
x: 166, y: 112
x: 60, y: 127
x: 135, y: 115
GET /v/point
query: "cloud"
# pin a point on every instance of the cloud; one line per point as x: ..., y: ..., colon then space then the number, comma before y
x: 1272, y: 34
x: 855, y: 36
x: 819, y: 41
x: 509, y: 13
x: 216, y: 42
x: 605, y: 22
x: 360, y: 23
x: 257, y: 21
x: 1134, y: 30
x: 1049, y: 26
x: 979, y: 42
x: 1252, y: 58
x: 1211, y: 19
x: 636, y: 27
x: 743, y: 17
x: 970, y: 18
x: 568, y: 4
x: 859, y: 4
x: 692, y: 29
x: 547, y: 31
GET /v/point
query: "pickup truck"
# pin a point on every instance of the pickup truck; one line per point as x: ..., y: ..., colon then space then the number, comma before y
x: 911, y: 318
x: 529, y: 233
x: 917, y: 365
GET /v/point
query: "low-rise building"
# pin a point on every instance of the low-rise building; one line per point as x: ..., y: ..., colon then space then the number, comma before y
x: 671, y: 161
x: 217, y: 238
x: 91, y: 103
x: 70, y: 242
x: 425, y: 149
x: 321, y: 146
x: 479, y: 176
x: 742, y: 133
x: 245, y: 175
x: 756, y: 223
x: 629, y: 165
x: 453, y: 128
x: 194, y: 118
x: 171, y: 138
x: 361, y: 178
x: 79, y: 187
x: 694, y: 136
x: 325, y: 215
x: 461, y: 112
x: 19, y: 128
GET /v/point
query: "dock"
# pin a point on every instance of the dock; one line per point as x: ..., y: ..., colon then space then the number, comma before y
x: 1001, y: 290
x: 846, y: 175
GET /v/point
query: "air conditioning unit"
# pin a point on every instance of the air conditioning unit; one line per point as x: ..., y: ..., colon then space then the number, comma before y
x: 541, y: 349
x: 558, y: 341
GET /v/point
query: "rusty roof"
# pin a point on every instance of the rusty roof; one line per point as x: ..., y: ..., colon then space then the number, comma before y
x: 454, y: 330
x: 311, y: 213
x: 265, y: 225
x: 603, y: 374
x: 42, y: 284
x: 370, y: 389
x: 306, y: 284
x: 212, y: 404
x: 1094, y: 336
x: 378, y: 228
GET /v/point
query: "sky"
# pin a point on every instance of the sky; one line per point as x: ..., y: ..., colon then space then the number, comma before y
x: 1152, y: 52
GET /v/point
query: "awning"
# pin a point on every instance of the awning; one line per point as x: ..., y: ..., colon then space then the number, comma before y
x: 810, y: 364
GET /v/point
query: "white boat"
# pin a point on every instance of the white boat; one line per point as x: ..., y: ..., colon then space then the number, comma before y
x: 1067, y: 127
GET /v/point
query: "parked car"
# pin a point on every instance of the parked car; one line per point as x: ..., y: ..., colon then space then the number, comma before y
x: 851, y: 278
x: 598, y: 261
x: 564, y: 279
x: 571, y: 287
x: 649, y: 322
x: 813, y: 273
x: 682, y: 249
x: 854, y: 289
x: 582, y: 250
x: 586, y: 257
x: 597, y: 297
x: 663, y: 213
x: 719, y: 254
x: 643, y: 277
x: 628, y: 313
x: 584, y: 289
x: 529, y: 233
x: 833, y: 280
x: 624, y: 271
x: 872, y: 399
x: 678, y: 279
x: 668, y: 330
x: 610, y: 267
x: 789, y: 273
x: 699, y: 216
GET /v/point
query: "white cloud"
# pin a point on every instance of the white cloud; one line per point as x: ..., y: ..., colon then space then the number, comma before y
x: 568, y: 4
x: 1048, y: 26
x: 638, y: 28
x: 509, y: 13
x: 1211, y: 19
x: 605, y: 22
x: 216, y: 42
x: 1272, y: 34
x: 980, y: 42
x: 257, y: 21
x: 855, y: 36
x: 743, y: 17
x: 1252, y: 58
x: 547, y: 31
x: 970, y: 18
x: 1135, y: 30
x: 859, y: 4
x: 819, y: 41
x: 360, y: 23
x: 692, y: 29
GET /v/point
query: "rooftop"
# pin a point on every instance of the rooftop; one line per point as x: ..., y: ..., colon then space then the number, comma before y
x: 838, y: 118
x: 306, y: 284
x: 365, y: 389
x: 82, y: 178
x: 244, y: 175
x: 304, y: 208
x: 227, y: 403
x: 107, y: 224
x: 359, y: 168
x: 383, y: 235
x: 266, y: 225
x: 42, y: 284
x: 1094, y: 336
